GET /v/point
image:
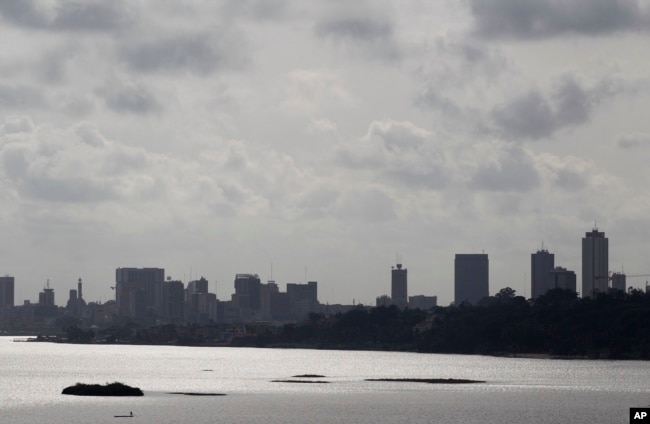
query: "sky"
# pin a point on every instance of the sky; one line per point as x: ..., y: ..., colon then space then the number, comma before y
x: 320, y: 140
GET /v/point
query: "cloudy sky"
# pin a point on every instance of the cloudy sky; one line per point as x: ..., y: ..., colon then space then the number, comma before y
x: 321, y: 140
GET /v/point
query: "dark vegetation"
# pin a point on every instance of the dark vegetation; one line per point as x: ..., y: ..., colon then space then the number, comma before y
x: 112, y: 389
x: 614, y: 325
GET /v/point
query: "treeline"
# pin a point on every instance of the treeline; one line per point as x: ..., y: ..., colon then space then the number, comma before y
x: 612, y: 325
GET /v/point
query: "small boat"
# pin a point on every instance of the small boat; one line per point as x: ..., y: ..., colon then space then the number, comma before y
x: 124, y: 416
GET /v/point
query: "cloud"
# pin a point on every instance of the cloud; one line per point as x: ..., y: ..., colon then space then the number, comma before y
x: 130, y: 98
x: 70, y: 15
x: 553, y: 18
x: 398, y: 152
x: 73, y: 165
x: 569, y: 173
x: 458, y: 76
x: 259, y: 10
x: 312, y: 90
x: 197, y: 53
x: 633, y: 141
x: 365, y: 204
x: 21, y: 96
x: 533, y: 115
x: 510, y: 169
x: 16, y: 125
x: 362, y: 31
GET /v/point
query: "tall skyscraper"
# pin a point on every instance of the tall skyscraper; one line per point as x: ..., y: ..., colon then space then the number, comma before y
x: 6, y: 292
x: 471, y: 278
x: 138, y: 290
x: 541, y: 265
x: 595, y: 263
x: 398, y: 286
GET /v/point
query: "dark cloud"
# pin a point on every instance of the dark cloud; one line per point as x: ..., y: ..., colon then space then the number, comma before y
x: 513, y: 170
x: 196, y: 53
x: 96, y: 15
x: 19, y: 96
x: 533, y: 115
x: 633, y: 141
x: 551, y: 18
x: 367, y: 35
x: 455, y: 70
x: 364, y: 29
x: 131, y: 98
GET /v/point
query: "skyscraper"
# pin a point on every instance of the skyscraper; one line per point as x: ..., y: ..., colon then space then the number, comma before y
x: 138, y: 290
x: 398, y: 286
x: 471, y: 278
x: 541, y: 265
x: 595, y: 263
x: 6, y: 292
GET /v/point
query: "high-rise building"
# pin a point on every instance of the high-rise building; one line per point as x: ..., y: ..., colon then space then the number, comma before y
x: 197, y: 286
x: 541, y: 279
x: 303, y: 299
x: 247, y: 297
x: 173, y: 301
x: 471, y: 278
x: 398, y: 286
x: 595, y: 263
x: 138, y: 291
x: 563, y: 279
x: 6, y: 292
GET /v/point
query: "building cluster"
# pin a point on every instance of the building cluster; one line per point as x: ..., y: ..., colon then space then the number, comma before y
x: 399, y: 293
x: 146, y: 296
x: 471, y: 278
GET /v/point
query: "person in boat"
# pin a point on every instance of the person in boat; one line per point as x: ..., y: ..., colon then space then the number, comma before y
x: 131, y: 413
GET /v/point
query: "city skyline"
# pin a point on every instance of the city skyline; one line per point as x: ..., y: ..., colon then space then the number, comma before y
x: 317, y: 139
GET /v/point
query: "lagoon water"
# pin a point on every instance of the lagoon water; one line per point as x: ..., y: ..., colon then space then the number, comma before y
x: 32, y: 376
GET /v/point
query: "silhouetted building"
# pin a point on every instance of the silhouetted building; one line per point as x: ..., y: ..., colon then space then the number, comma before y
x: 173, y: 302
x: 247, y: 297
x: 6, y: 292
x: 398, y: 286
x: 595, y: 263
x: 563, y: 279
x: 541, y: 265
x: 303, y: 299
x: 471, y: 278
x: 618, y: 281
x: 138, y: 292
x: 383, y: 300
x: 46, y: 297
x: 197, y: 286
x: 423, y: 302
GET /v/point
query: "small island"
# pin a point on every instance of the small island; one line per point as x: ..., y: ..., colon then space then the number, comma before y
x: 109, y: 389
x: 428, y: 380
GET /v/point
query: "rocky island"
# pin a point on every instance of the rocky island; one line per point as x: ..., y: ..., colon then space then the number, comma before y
x: 112, y: 389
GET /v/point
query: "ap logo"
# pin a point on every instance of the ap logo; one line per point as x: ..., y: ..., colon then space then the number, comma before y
x: 640, y: 415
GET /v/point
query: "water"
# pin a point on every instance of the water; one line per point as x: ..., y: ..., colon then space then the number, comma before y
x: 32, y: 376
